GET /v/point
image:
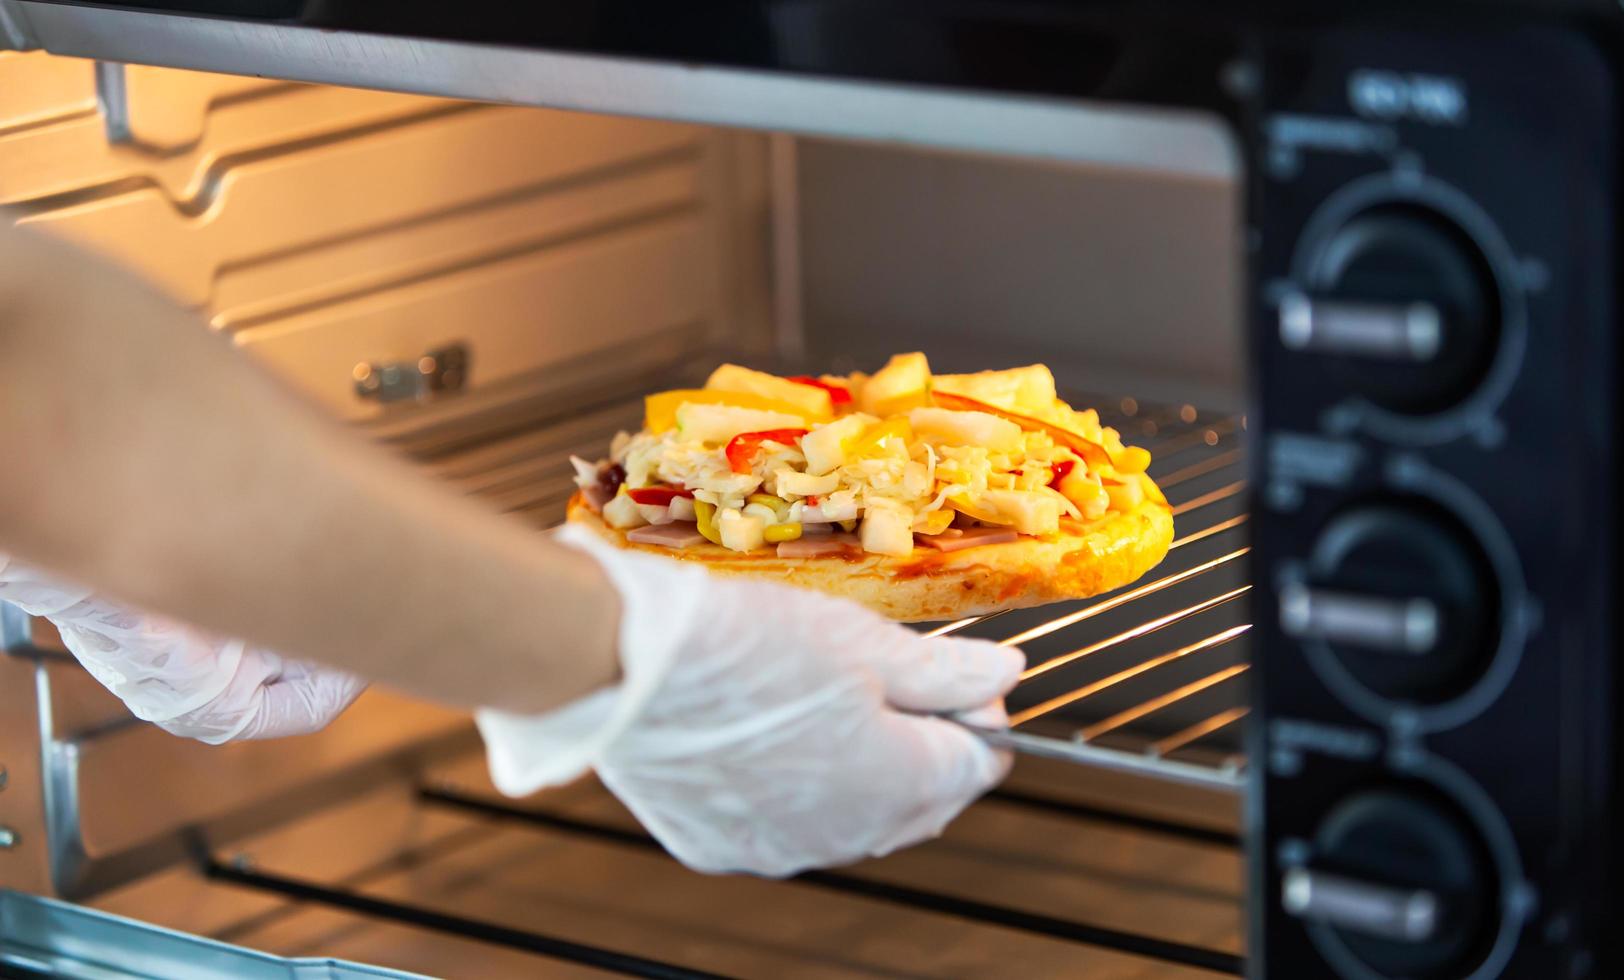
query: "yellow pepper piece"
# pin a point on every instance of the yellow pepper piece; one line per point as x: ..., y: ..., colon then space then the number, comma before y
x: 1132, y: 459
x: 782, y: 532
x: 968, y: 509
x: 934, y: 522
x: 660, y: 409
x: 779, y: 505
x: 705, y: 520
x: 873, y: 441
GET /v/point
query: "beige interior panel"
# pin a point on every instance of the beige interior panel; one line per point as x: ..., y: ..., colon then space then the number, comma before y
x: 254, y: 292
x: 188, y: 145
x: 170, y: 110
x: 36, y: 88
x: 334, y: 226
x: 140, y: 781
x: 360, y: 184
x: 515, y: 316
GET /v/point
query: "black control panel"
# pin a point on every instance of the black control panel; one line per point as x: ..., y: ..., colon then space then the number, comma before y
x: 1434, y: 741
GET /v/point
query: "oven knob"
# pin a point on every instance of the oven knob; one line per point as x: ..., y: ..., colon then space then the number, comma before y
x: 1401, y: 882
x: 1403, y: 303
x: 1403, y: 597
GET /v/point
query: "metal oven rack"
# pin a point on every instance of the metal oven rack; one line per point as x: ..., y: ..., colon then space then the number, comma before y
x: 1146, y: 680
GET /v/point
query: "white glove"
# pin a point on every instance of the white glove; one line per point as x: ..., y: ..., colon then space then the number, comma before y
x: 766, y: 729
x: 182, y: 679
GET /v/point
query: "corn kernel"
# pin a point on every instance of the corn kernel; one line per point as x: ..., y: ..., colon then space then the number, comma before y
x: 782, y: 532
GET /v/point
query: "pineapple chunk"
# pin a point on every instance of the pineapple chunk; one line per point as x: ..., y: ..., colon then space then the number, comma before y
x: 825, y: 447
x: 947, y: 427
x: 1027, y: 390
x: 887, y: 528
x: 740, y: 531
x: 811, y: 401
x: 1027, y: 511
x: 622, y: 513
x: 902, y: 384
x: 1125, y: 496
x: 719, y: 423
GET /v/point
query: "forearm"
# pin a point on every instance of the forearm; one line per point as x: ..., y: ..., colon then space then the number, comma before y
x: 145, y: 458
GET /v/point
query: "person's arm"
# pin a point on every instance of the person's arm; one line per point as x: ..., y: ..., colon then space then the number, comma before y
x: 139, y: 455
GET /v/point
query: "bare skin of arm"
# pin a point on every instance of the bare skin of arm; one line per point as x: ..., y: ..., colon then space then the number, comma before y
x: 141, y: 456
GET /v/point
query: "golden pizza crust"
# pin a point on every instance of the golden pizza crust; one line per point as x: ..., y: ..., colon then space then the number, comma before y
x: 1084, y: 559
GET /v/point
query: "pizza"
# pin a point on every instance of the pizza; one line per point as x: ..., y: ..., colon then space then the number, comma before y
x: 924, y: 497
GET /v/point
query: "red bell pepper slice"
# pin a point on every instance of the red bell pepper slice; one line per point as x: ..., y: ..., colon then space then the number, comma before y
x: 743, y: 448
x: 657, y: 496
x: 838, y: 394
x: 1061, y: 470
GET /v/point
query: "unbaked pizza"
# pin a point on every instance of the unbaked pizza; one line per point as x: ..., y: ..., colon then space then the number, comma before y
x: 922, y: 496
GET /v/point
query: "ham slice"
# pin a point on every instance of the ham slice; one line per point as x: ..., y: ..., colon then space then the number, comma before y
x: 595, y: 496
x: 971, y: 537
x: 818, y: 546
x: 675, y: 535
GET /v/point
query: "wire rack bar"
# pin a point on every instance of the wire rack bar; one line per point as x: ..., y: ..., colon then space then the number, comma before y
x: 1143, y: 629
x: 531, y: 942
x: 1089, y: 612
x: 894, y: 894
x: 527, y: 473
x: 1199, y: 730
x: 1144, y: 708
x: 1088, y: 690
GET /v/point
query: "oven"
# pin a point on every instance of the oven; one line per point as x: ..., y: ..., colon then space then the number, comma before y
x: 1347, y: 270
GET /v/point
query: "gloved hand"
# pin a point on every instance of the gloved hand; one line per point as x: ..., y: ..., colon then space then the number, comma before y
x: 182, y: 679
x: 766, y: 729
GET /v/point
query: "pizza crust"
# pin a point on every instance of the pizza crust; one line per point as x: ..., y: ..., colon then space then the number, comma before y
x: 1084, y: 559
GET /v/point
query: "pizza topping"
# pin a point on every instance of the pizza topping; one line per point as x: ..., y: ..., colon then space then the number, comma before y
x: 743, y: 448
x: 705, y: 521
x: 679, y: 535
x: 969, y: 538
x: 812, y: 401
x: 622, y: 512
x: 779, y: 533
x: 771, y: 461
x: 838, y: 394
x: 595, y: 497
x: 658, y: 496
x: 741, y: 531
x: 660, y: 409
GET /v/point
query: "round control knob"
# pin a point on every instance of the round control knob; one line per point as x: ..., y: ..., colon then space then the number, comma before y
x: 1406, y: 303
x: 1403, y: 597
x: 1402, y: 882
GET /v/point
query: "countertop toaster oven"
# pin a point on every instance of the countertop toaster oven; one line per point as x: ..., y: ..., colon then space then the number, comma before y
x: 1348, y: 271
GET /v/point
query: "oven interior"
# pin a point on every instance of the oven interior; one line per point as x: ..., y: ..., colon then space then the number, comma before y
x: 490, y: 289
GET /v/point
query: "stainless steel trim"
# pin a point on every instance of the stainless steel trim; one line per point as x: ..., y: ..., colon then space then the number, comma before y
x: 14, y: 32
x: 1385, y: 331
x: 1407, y: 915
x: 788, y: 305
x: 113, y: 101
x: 1402, y: 626
x: 68, y: 940
x: 1172, y: 141
x: 1229, y: 778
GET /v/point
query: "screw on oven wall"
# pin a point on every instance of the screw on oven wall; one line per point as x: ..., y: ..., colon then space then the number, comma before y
x: 3, y: 776
x: 8, y: 838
